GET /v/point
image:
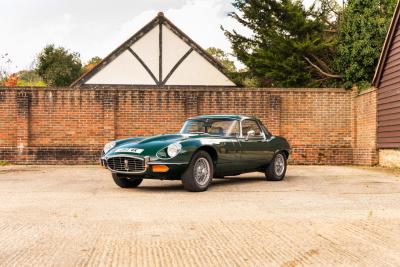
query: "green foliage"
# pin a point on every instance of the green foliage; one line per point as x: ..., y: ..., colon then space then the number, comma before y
x: 361, y: 36
x: 3, y: 163
x: 94, y: 60
x: 57, y: 66
x: 28, y: 78
x: 91, y: 64
x: 229, y: 65
x: 291, y: 47
x: 251, y: 82
x: 222, y: 57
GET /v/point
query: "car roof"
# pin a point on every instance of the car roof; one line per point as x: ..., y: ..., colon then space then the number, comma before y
x: 222, y: 116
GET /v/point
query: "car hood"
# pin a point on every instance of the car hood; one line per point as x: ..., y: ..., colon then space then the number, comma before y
x: 148, y: 146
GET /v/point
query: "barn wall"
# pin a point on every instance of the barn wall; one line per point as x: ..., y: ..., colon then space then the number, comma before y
x: 389, y: 97
x: 64, y: 125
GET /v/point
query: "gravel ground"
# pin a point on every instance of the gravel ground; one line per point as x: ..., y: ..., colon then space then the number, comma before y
x: 319, y: 215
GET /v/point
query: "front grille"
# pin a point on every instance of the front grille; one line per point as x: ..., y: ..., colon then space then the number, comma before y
x: 126, y: 164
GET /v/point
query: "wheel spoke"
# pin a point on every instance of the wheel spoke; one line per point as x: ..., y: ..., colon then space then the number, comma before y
x: 201, y: 171
x: 279, y: 164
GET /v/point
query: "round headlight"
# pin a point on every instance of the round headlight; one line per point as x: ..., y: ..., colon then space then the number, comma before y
x: 174, y: 149
x: 109, y: 146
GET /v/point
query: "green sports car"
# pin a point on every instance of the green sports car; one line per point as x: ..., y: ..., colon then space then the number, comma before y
x: 207, y: 147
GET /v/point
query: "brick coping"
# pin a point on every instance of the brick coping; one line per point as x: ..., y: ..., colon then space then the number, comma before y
x: 183, y: 88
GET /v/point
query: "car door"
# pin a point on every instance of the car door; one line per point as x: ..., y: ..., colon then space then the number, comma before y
x: 255, y: 149
x: 228, y: 147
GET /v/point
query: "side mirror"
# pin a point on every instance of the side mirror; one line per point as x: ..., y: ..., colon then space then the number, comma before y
x: 250, y: 134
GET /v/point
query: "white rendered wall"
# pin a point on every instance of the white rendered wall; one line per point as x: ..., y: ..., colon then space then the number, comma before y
x: 174, y: 48
x: 124, y: 69
x: 147, y: 48
x: 195, y: 70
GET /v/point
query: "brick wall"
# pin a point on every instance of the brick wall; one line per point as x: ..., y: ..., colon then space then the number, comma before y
x: 64, y: 125
x: 365, y: 128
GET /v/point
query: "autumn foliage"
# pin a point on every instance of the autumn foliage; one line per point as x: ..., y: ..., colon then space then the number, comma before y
x: 11, y: 80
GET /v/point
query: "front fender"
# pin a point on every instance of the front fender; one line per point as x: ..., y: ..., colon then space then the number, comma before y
x: 190, y: 146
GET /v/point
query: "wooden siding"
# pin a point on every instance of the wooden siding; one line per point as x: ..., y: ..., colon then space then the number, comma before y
x: 388, y: 102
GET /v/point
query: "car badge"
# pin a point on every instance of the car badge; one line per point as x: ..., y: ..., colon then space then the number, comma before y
x: 126, y: 165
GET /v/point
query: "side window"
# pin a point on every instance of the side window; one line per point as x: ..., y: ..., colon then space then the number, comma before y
x: 225, y: 128
x: 267, y: 133
x: 234, y: 129
x: 248, y: 125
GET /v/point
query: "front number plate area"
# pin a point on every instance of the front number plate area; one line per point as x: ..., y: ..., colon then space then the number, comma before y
x: 131, y: 150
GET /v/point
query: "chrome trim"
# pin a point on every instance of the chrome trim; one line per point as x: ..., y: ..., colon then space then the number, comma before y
x: 126, y: 156
x: 122, y: 155
x: 166, y: 147
x: 166, y: 163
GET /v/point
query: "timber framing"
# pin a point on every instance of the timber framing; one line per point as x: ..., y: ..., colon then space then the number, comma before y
x: 159, y: 21
x: 144, y: 65
x: 177, y: 65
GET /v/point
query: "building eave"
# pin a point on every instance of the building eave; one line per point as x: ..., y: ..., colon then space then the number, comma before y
x: 386, y: 46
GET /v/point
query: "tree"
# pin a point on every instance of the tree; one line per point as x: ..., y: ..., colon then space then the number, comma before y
x: 291, y: 45
x: 222, y: 57
x: 11, y: 80
x: 361, y: 36
x: 29, y: 78
x: 91, y: 64
x: 5, y: 63
x: 57, y: 66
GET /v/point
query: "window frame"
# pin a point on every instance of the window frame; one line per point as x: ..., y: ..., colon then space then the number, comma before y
x: 264, y: 135
x: 207, y: 128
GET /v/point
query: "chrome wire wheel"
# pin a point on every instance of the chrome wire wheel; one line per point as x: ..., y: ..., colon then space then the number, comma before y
x: 279, y: 165
x: 202, y: 171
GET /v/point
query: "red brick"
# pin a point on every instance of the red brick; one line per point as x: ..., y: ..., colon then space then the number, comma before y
x: 65, y: 125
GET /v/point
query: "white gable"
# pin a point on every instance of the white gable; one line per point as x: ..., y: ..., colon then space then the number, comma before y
x: 139, y: 60
x: 147, y: 49
x: 124, y: 69
x: 171, y: 42
x: 195, y: 70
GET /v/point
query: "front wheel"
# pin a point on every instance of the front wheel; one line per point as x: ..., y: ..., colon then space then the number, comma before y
x: 199, y: 173
x: 126, y: 182
x: 276, y: 170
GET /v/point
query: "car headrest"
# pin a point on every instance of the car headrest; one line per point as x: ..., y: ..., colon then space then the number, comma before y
x: 217, y: 130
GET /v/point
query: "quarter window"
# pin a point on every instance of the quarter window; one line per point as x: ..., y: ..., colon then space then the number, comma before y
x: 250, y: 125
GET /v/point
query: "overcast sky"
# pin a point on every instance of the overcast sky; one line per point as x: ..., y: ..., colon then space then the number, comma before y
x: 96, y: 27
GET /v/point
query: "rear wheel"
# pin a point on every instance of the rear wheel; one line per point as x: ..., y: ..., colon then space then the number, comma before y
x: 276, y: 170
x: 199, y: 173
x: 126, y: 182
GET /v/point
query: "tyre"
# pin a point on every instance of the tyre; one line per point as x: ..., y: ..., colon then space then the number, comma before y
x: 125, y: 182
x: 199, y: 173
x: 276, y: 170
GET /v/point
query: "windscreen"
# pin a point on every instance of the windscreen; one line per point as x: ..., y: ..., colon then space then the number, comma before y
x: 220, y: 127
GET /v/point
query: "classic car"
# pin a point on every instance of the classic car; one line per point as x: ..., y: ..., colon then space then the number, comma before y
x: 207, y: 147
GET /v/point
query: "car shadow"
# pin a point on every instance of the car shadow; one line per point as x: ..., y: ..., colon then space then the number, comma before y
x: 236, y: 180
x: 217, y: 182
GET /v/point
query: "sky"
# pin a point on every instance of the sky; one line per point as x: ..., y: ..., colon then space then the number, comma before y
x: 96, y: 27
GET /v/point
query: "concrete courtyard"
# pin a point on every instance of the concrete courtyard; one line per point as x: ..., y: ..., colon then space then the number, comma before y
x: 319, y: 215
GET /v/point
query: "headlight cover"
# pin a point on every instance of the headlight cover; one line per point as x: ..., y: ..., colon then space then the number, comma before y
x: 109, y: 146
x: 174, y: 149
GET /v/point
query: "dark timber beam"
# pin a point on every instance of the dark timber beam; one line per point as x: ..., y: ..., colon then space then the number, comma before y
x: 160, y: 50
x: 144, y: 65
x: 176, y: 66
